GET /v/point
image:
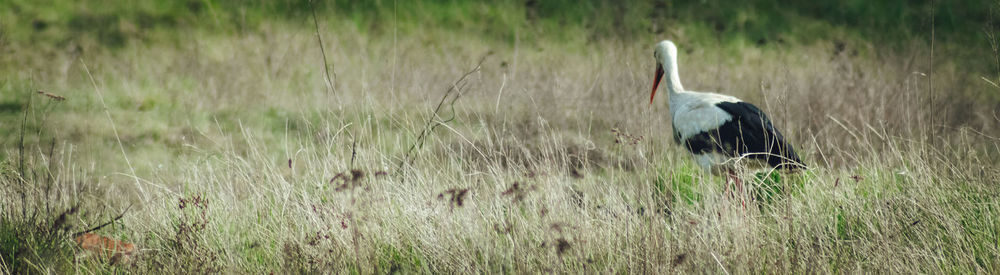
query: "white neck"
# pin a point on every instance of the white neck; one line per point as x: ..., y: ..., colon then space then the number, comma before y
x: 673, y: 78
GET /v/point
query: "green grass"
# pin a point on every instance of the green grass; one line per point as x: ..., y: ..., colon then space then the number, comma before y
x: 226, y: 101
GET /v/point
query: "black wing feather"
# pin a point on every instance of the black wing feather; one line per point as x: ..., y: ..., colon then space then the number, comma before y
x: 749, y: 132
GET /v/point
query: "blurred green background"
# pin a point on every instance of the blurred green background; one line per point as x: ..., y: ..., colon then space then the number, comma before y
x: 762, y: 22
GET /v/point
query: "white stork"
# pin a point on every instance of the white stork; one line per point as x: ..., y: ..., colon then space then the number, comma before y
x: 717, y: 128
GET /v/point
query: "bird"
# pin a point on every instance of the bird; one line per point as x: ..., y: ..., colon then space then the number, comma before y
x: 717, y: 129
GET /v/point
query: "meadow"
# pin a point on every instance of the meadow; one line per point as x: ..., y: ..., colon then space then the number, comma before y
x: 507, y: 137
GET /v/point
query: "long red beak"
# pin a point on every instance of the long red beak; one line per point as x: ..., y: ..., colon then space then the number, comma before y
x: 656, y: 81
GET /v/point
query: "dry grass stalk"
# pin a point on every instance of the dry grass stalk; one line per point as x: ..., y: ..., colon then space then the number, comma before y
x: 52, y: 96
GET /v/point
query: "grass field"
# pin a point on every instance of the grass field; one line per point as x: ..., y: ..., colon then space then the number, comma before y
x: 444, y: 137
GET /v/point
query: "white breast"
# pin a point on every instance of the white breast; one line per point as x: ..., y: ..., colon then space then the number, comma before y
x: 694, y: 113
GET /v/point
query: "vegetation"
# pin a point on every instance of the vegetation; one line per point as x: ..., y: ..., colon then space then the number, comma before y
x: 509, y: 136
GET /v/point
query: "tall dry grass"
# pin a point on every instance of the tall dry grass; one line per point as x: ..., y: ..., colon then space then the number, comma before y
x: 554, y: 161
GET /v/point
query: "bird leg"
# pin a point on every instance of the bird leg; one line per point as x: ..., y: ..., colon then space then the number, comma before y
x: 731, y: 176
x: 737, y: 184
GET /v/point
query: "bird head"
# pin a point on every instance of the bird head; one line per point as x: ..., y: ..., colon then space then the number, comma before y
x: 663, y: 53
